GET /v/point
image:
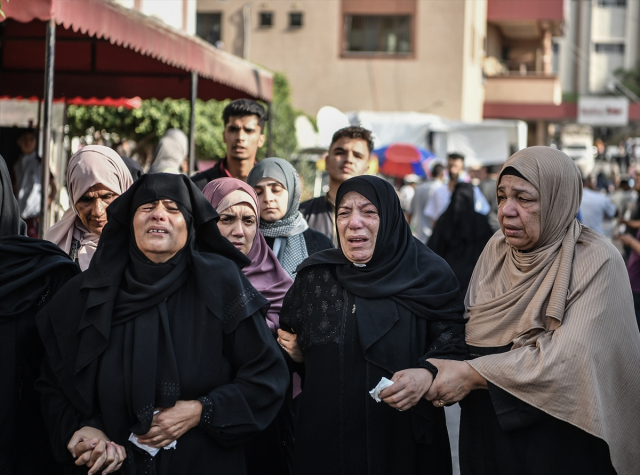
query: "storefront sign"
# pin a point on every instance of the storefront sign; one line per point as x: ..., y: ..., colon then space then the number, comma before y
x: 603, y: 111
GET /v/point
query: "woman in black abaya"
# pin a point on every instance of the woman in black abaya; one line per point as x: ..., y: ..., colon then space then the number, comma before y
x: 31, y: 272
x: 460, y: 234
x: 136, y: 334
x: 378, y: 306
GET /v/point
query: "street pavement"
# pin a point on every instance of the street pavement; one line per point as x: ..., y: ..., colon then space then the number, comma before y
x: 453, y: 426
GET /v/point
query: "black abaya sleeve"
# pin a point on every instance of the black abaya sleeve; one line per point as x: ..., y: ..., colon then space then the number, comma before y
x: 445, y: 339
x: 60, y: 417
x: 251, y: 401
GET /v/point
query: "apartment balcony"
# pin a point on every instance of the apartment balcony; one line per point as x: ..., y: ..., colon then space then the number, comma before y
x: 523, y: 88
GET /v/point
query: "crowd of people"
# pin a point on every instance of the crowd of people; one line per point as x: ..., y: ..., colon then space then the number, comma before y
x: 215, y: 324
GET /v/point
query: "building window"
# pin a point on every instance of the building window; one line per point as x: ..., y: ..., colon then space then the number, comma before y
x: 389, y: 34
x: 209, y: 27
x: 610, y: 48
x: 295, y: 19
x: 612, y: 3
x: 266, y: 19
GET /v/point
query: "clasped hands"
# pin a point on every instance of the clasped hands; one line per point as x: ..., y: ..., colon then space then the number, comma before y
x: 91, y: 447
x: 455, y: 380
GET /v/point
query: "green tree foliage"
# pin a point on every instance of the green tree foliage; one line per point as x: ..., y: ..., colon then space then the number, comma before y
x: 630, y: 78
x: 147, y: 124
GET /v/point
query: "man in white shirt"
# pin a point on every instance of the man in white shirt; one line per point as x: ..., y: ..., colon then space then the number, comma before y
x: 424, y: 191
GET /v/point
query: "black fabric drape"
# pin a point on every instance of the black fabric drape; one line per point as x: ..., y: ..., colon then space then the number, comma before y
x: 460, y: 234
x: 31, y: 272
x: 10, y: 222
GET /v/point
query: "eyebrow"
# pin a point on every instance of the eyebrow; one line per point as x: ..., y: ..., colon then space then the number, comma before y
x: 269, y: 184
x: 517, y: 190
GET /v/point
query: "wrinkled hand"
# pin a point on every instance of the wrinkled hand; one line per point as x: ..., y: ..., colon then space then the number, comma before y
x: 455, y: 380
x: 171, y: 423
x: 409, y: 385
x: 92, y: 447
x: 289, y: 341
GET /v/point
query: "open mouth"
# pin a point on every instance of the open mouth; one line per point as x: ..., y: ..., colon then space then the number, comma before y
x: 158, y: 231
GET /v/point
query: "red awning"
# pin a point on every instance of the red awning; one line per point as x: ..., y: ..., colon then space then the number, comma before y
x: 106, y: 50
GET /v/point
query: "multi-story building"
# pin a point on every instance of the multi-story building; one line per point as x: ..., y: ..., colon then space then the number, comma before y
x: 521, y: 80
x: 380, y: 55
x: 601, y: 36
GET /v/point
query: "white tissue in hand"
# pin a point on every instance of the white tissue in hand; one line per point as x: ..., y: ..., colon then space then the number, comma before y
x: 152, y: 450
x: 382, y: 385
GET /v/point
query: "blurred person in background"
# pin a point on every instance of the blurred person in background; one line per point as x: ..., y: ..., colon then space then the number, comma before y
x: 286, y: 231
x: 488, y: 188
x: 349, y: 155
x: 244, y: 123
x: 31, y: 273
x: 460, y: 235
x: 419, y: 222
x: 28, y: 173
x: 96, y: 175
x: 406, y: 194
x: 171, y: 154
x: 595, y: 207
x: 624, y: 197
x: 442, y: 195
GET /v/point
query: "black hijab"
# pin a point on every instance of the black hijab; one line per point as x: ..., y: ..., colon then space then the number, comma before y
x: 123, y: 287
x: 461, y: 234
x: 402, y: 271
x: 27, y: 266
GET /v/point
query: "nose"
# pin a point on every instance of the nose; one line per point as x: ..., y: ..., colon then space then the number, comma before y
x: 509, y: 209
x: 99, y: 208
x: 237, y: 230
x: 159, y: 214
x: 355, y: 222
x: 242, y: 135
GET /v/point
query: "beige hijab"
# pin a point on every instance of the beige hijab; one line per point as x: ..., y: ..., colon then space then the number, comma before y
x: 567, y: 308
x: 89, y: 166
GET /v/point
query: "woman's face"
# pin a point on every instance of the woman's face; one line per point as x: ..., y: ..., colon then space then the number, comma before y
x: 92, y: 207
x: 273, y: 198
x: 160, y: 230
x: 357, y: 222
x: 519, y: 212
x: 239, y: 225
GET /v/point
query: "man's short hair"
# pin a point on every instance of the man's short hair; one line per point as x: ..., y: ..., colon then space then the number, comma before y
x: 437, y: 171
x: 243, y: 108
x: 26, y: 132
x: 353, y: 132
x: 455, y: 156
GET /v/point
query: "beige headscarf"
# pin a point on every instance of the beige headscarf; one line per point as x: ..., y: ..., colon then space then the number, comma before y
x: 568, y: 309
x: 89, y: 166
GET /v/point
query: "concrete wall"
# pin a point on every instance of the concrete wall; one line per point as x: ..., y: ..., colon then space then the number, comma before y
x: 442, y: 76
x: 523, y: 90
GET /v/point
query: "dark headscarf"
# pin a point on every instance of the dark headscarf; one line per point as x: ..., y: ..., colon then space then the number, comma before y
x: 10, y: 222
x: 134, y: 167
x: 460, y: 234
x: 123, y: 287
x: 402, y: 271
x: 27, y: 266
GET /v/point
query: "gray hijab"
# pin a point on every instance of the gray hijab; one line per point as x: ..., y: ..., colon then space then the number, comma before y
x: 289, y: 245
x: 170, y: 152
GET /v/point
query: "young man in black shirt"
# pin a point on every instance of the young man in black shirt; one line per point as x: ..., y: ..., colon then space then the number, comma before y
x: 243, y: 134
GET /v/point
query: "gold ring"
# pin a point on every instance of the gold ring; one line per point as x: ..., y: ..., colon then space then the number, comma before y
x: 440, y: 403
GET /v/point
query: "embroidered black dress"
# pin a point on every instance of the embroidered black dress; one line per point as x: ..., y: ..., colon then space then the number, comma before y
x: 357, y: 325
